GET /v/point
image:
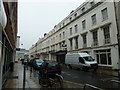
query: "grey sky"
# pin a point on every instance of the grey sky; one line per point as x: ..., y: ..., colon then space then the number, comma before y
x: 37, y: 18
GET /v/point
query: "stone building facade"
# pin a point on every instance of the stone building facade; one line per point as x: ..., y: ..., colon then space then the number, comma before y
x: 8, y: 33
x: 90, y: 28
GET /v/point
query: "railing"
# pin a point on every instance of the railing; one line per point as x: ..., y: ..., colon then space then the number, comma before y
x: 91, y: 86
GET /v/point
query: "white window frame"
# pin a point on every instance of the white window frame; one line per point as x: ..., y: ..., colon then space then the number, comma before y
x: 104, y: 14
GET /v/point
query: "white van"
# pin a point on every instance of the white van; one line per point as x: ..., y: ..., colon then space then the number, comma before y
x: 80, y: 60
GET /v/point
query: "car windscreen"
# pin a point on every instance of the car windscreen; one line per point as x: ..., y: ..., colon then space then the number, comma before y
x: 39, y: 61
x: 88, y: 58
x: 52, y: 64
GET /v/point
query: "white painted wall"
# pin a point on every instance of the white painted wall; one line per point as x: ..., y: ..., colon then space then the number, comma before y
x: 113, y: 31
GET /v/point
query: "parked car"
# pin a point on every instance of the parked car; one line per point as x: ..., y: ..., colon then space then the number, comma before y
x: 52, y: 67
x: 81, y: 60
x: 37, y: 63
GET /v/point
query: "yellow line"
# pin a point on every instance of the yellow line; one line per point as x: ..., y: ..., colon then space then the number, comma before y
x: 73, y: 83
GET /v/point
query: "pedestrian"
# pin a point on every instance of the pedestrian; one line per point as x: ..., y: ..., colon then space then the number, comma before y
x: 26, y: 63
x: 31, y: 64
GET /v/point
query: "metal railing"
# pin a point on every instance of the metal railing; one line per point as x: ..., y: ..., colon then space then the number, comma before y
x: 91, y: 86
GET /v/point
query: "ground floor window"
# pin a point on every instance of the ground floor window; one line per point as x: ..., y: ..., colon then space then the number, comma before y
x: 104, y: 57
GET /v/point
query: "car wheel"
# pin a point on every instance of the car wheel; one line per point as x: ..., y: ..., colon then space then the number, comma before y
x: 84, y: 68
x: 69, y: 66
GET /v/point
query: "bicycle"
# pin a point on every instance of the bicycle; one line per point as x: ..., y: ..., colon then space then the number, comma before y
x: 51, y: 80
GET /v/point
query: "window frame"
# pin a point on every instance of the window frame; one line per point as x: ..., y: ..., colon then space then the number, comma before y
x: 83, y: 24
x: 76, y: 28
x: 104, y: 14
x: 71, y: 31
x: 94, y: 20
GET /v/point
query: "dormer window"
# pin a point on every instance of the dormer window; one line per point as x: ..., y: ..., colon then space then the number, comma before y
x: 92, y: 3
x: 70, y: 18
x: 83, y: 9
x: 75, y: 14
x: 60, y: 26
x: 63, y: 24
x: 72, y: 11
x: 55, y: 26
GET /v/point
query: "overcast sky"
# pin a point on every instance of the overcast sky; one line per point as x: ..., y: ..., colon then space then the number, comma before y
x: 36, y: 17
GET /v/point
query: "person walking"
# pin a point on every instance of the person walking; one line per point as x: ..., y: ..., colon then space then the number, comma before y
x: 31, y: 64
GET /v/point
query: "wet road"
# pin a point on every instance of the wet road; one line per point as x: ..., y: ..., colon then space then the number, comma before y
x: 93, y: 78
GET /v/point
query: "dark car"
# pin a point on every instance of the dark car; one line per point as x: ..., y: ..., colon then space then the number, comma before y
x: 37, y: 64
x: 52, y: 67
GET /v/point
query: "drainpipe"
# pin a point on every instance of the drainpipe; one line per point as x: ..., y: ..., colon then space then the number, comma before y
x: 118, y: 29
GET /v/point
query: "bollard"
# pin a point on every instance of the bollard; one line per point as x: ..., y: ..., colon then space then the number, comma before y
x: 119, y: 74
x: 24, y: 77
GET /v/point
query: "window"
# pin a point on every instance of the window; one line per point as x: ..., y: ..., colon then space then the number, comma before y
x: 104, y: 57
x: 95, y: 38
x: 70, y: 18
x: 76, y: 28
x: 104, y: 14
x: 71, y: 31
x: 63, y: 35
x: 60, y: 26
x: 71, y: 44
x: 92, y: 3
x: 83, y: 24
x: 60, y: 45
x: 75, y: 15
x: 81, y: 60
x: 93, y: 19
x: 106, y: 35
x: 63, y: 24
x: 88, y: 58
x: 56, y: 37
x: 84, y: 41
x: 76, y: 42
x: 83, y: 9
x: 60, y: 36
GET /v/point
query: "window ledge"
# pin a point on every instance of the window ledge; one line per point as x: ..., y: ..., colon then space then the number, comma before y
x: 105, y: 66
x: 105, y: 19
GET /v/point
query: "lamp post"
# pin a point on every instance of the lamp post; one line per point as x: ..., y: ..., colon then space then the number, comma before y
x: 24, y: 72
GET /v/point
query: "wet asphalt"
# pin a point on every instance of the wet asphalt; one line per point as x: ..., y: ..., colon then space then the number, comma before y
x: 90, y: 77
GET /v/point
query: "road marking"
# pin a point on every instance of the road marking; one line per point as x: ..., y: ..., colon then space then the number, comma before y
x: 106, y: 79
x: 66, y: 73
x: 75, y: 77
x: 116, y: 81
x: 73, y: 83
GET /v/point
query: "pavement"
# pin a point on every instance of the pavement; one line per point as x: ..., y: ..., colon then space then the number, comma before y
x: 16, y: 78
